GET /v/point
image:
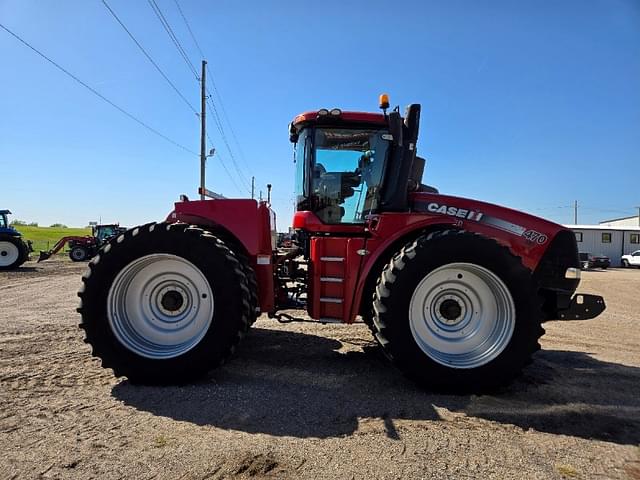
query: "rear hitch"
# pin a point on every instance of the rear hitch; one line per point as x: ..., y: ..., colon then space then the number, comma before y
x: 583, y: 307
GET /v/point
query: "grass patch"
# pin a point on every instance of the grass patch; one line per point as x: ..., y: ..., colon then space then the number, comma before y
x: 44, y: 238
x: 566, y: 471
x: 160, y: 441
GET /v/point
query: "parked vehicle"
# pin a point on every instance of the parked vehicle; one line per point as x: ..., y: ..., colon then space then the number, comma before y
x: 594, y: 261
x: 631, y: 260
x: 14, y: 251
x: 85, y: 248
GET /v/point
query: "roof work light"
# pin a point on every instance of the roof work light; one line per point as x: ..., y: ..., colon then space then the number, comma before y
x: 384, y: 101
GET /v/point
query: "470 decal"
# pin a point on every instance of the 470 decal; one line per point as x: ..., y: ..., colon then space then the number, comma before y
x: 535, y: 237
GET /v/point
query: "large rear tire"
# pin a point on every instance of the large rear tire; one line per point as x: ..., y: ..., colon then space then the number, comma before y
x: 13, y: 252
x: 164, y: 304
x: 252, y: 284
x: 457, y: 311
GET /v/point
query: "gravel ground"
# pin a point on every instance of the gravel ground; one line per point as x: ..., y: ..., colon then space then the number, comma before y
x: 312, y: 401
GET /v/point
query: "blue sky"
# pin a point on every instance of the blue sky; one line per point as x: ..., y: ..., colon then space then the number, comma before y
x: 527, y: 104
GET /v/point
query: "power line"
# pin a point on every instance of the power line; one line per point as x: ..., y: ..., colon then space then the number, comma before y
x: 146, y: 54
x: 226, y: 117
x: 193, y: 37
x: 217, y: 118
x: 233, y: 180
x: 220, y: 128
x: 183, y: 53
x: 95, y: 92
x: 609, y: 210
x: 172, y: 36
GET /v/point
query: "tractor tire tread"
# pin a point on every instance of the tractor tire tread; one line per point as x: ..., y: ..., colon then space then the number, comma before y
x: 383, y: 317
x: 90, y: 283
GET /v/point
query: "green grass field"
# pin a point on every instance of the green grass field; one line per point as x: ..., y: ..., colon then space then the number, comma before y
x: 44, y: 238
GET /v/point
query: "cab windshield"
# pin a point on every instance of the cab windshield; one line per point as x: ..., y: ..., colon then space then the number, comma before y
x: 339, y: 171
x: 3, y: 221
x: 105, y: 232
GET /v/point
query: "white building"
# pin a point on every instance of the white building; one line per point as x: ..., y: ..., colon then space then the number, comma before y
x: 612, y: 241
x: 622, y: 222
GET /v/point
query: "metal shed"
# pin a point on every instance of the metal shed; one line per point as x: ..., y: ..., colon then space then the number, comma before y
x: 612, y: 241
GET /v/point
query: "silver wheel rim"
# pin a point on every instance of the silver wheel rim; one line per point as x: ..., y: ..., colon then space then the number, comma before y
x: 160, y: 306
x: 9, y: 254
x: 78, y: 254
x: 462, y: 315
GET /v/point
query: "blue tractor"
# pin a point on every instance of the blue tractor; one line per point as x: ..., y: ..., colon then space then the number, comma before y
x: 14, y: 251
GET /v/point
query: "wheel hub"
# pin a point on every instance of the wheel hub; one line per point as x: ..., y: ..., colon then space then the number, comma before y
x: 172, y: 300
x: 450, y: 310
x: 9, y: 254
x: 160, y: 306
x: 462, y: 315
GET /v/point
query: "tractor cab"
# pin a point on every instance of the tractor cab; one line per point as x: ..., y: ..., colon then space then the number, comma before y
x: 4, y: 223
x: 350, y: 165
x: 103, y: 233
x: 6, y: 228
x: 3, y: 219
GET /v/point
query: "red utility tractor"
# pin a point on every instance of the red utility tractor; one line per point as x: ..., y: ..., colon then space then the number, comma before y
x: 84, y: 248
x: 455, y: 291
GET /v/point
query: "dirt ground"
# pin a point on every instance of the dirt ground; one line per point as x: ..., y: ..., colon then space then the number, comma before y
x: 312, y: 401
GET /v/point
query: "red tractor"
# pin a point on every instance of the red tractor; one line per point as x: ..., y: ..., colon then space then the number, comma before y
x: 84, y: 248
x: 454, y: 290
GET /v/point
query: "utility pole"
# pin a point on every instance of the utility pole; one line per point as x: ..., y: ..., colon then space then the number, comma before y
x: 203, y: 128
x: 253, y: 188
x: 575, y: 212
x: 638, y: 216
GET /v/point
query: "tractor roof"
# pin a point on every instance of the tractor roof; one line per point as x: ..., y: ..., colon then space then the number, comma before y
x: 5, y: 212
x: 336, y: 117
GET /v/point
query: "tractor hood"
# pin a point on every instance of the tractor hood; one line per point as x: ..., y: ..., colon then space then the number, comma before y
x: 466, y: 210
x: 527, y: 235
x: 9, y: 231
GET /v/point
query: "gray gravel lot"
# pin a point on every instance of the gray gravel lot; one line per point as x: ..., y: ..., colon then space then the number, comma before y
x: 312, y: 401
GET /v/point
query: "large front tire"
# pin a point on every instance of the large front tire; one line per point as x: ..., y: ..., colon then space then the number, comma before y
x: 164, y: 304
x: 457, y: 311
x: 78, y: 254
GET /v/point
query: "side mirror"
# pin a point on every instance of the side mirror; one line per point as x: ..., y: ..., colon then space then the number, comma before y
x: 412, y: 122
x: 293, y: 133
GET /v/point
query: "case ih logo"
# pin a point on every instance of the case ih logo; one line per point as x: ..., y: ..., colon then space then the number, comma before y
x: 464, y: 214
x: 454, y: 211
